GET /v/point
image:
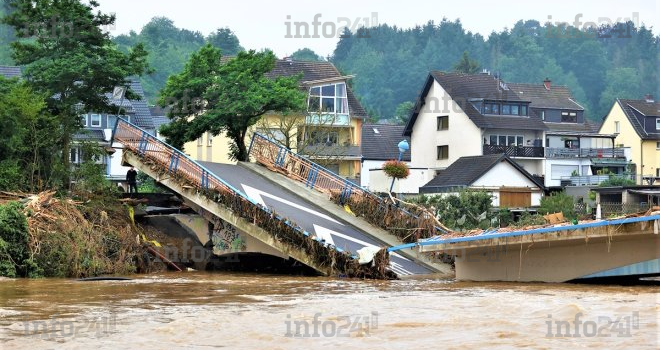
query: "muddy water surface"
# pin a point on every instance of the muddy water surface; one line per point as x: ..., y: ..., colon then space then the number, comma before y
x: 241, y: 311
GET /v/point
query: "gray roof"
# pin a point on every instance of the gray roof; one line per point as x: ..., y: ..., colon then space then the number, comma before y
x: 466, y: 170
x: 314, y: 71
x: 380, y: 142
x: 558, y: 97
x: 465, y: 87
x: 89, y: 135
x: 138, y: 109
x: 10, y: 72
x: 636, y: 110
x: 582, y: 128
x: 160, y: 121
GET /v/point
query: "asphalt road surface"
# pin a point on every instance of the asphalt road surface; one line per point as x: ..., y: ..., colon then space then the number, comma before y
x: 312, y: 218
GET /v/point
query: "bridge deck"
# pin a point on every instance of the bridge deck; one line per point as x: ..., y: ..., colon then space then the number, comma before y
x: 312, y: 218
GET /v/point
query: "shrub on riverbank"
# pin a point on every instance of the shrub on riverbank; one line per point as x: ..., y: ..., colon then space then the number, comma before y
x: 45, y: 236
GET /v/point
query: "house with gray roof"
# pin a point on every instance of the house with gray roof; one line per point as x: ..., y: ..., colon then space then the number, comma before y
x: 509, y: 184
x: 97, y: 127
x: 380, y: 144
x: 636, y: 124
x: 539, y: 126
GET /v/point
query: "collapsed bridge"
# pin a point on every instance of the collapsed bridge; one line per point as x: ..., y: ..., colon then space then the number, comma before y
x: 275, y: 214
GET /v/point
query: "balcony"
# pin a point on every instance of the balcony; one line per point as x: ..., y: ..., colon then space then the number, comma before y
x: 585, y: 153
x: 515, y: 151
x: 595, y: 180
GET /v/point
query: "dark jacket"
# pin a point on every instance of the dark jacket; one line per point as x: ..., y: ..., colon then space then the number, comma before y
x: 131, y: 176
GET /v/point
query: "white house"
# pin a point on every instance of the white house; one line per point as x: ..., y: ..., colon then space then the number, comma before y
x: 539, y: 126
x: 509, y: 184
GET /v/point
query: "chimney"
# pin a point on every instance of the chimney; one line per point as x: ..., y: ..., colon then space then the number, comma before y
x: 547, y: 83
x: 649, y: 98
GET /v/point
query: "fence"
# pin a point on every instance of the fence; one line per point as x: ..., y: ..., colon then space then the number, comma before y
x: 514, y: 151
x: 585, y: 153
x: 608, y: 209
x: 270, y: 153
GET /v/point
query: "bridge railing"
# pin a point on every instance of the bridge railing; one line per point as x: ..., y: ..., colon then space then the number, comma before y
x: 145, y: 145
x: 271, y: 153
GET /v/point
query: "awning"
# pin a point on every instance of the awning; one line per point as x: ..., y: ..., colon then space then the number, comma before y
x: 646, y: 192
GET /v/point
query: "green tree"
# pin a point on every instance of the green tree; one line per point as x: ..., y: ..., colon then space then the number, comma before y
x: 403, y: 111
x: 235, y: 96
x: 28, y: 135
x: 225, y: 40
x: 74, y: 63
x: 306, y: 54
x: 558, y: 202
x: 466, y: 65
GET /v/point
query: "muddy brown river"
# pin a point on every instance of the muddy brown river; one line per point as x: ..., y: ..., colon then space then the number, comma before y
x: 242, y: 311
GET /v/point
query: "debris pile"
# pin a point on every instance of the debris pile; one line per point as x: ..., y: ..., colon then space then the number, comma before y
x: 68, y: 238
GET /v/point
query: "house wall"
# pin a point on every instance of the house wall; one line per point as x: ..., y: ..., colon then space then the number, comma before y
x: 380, y: 182
x: 644, y: 154
x: 554, y: 115
x: 565, y: 167
x: 218, y: 152
x: 462, y: 136
x: 503, y: 174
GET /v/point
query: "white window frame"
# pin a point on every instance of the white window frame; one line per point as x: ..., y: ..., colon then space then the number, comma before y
x: 84, y: 117
x: 657, y: 145
x: 343, y: 98
x: 497, y: 136
x: 209, y: 140
x: 74, y: 155
x: 657, y: 124
x: 617, y: 127
x: 91, y: 120
x: 200, y: 141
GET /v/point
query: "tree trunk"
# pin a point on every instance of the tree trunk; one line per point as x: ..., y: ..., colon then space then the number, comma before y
x: 242, y: 150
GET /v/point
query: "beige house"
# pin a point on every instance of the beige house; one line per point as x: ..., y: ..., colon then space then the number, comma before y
x: 329, y: 133
x: 636, y: 124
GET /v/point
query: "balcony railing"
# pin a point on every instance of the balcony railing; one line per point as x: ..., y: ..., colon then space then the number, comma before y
x: 594, y: 180
x: 584, y: 153
x: 515, y: 151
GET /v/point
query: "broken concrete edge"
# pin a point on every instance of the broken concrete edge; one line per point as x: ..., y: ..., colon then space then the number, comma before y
x: 218, y: 209
x: 313, y: 197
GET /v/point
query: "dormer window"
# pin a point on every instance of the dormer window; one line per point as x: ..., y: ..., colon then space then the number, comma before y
x: 505, y: 108
x: 329, y: 98
x: 568, y: 117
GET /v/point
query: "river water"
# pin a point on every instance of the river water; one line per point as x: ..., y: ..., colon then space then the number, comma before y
x: 197, y: 310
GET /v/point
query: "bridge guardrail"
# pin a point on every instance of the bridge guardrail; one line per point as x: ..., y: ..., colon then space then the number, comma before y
x: 269, y: 152
x: 140, y: 142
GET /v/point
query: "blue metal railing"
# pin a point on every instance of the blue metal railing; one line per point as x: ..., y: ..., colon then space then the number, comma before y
x: 144, y: 144
x: 311, y: 174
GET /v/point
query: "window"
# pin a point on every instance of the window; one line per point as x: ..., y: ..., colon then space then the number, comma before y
x: 542, y: 115
x: 323, y: 137
x: 328, y: 99
x: 209, y: 140
x: 443, y: 122
x: 73, y: 155
x: 95, y: 120
x: 617, y: 127
x: 657, y: 145
x: 568, y: 117
x: 200, y: 141
x: 523, y: 110
x: 83, y: 120
x: 443, y: 152
x: 506, y: 109
x: 507, y: 140
x: 111, y: 120
x: 557, y: 171
x: 657, y: 124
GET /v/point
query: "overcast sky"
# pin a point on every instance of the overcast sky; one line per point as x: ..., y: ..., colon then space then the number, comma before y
x: 263, y: 24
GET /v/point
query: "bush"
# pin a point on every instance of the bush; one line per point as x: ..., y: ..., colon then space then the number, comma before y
x: 558, y: 202
x: 617, y: 181
x: 15, y: 260
x: 396, y: 169
x: 466, y: 210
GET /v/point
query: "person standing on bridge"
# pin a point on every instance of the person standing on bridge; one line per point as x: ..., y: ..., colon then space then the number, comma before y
x: 131, y: 178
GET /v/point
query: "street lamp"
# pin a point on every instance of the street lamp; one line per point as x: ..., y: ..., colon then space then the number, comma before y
x: 403, y: 147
